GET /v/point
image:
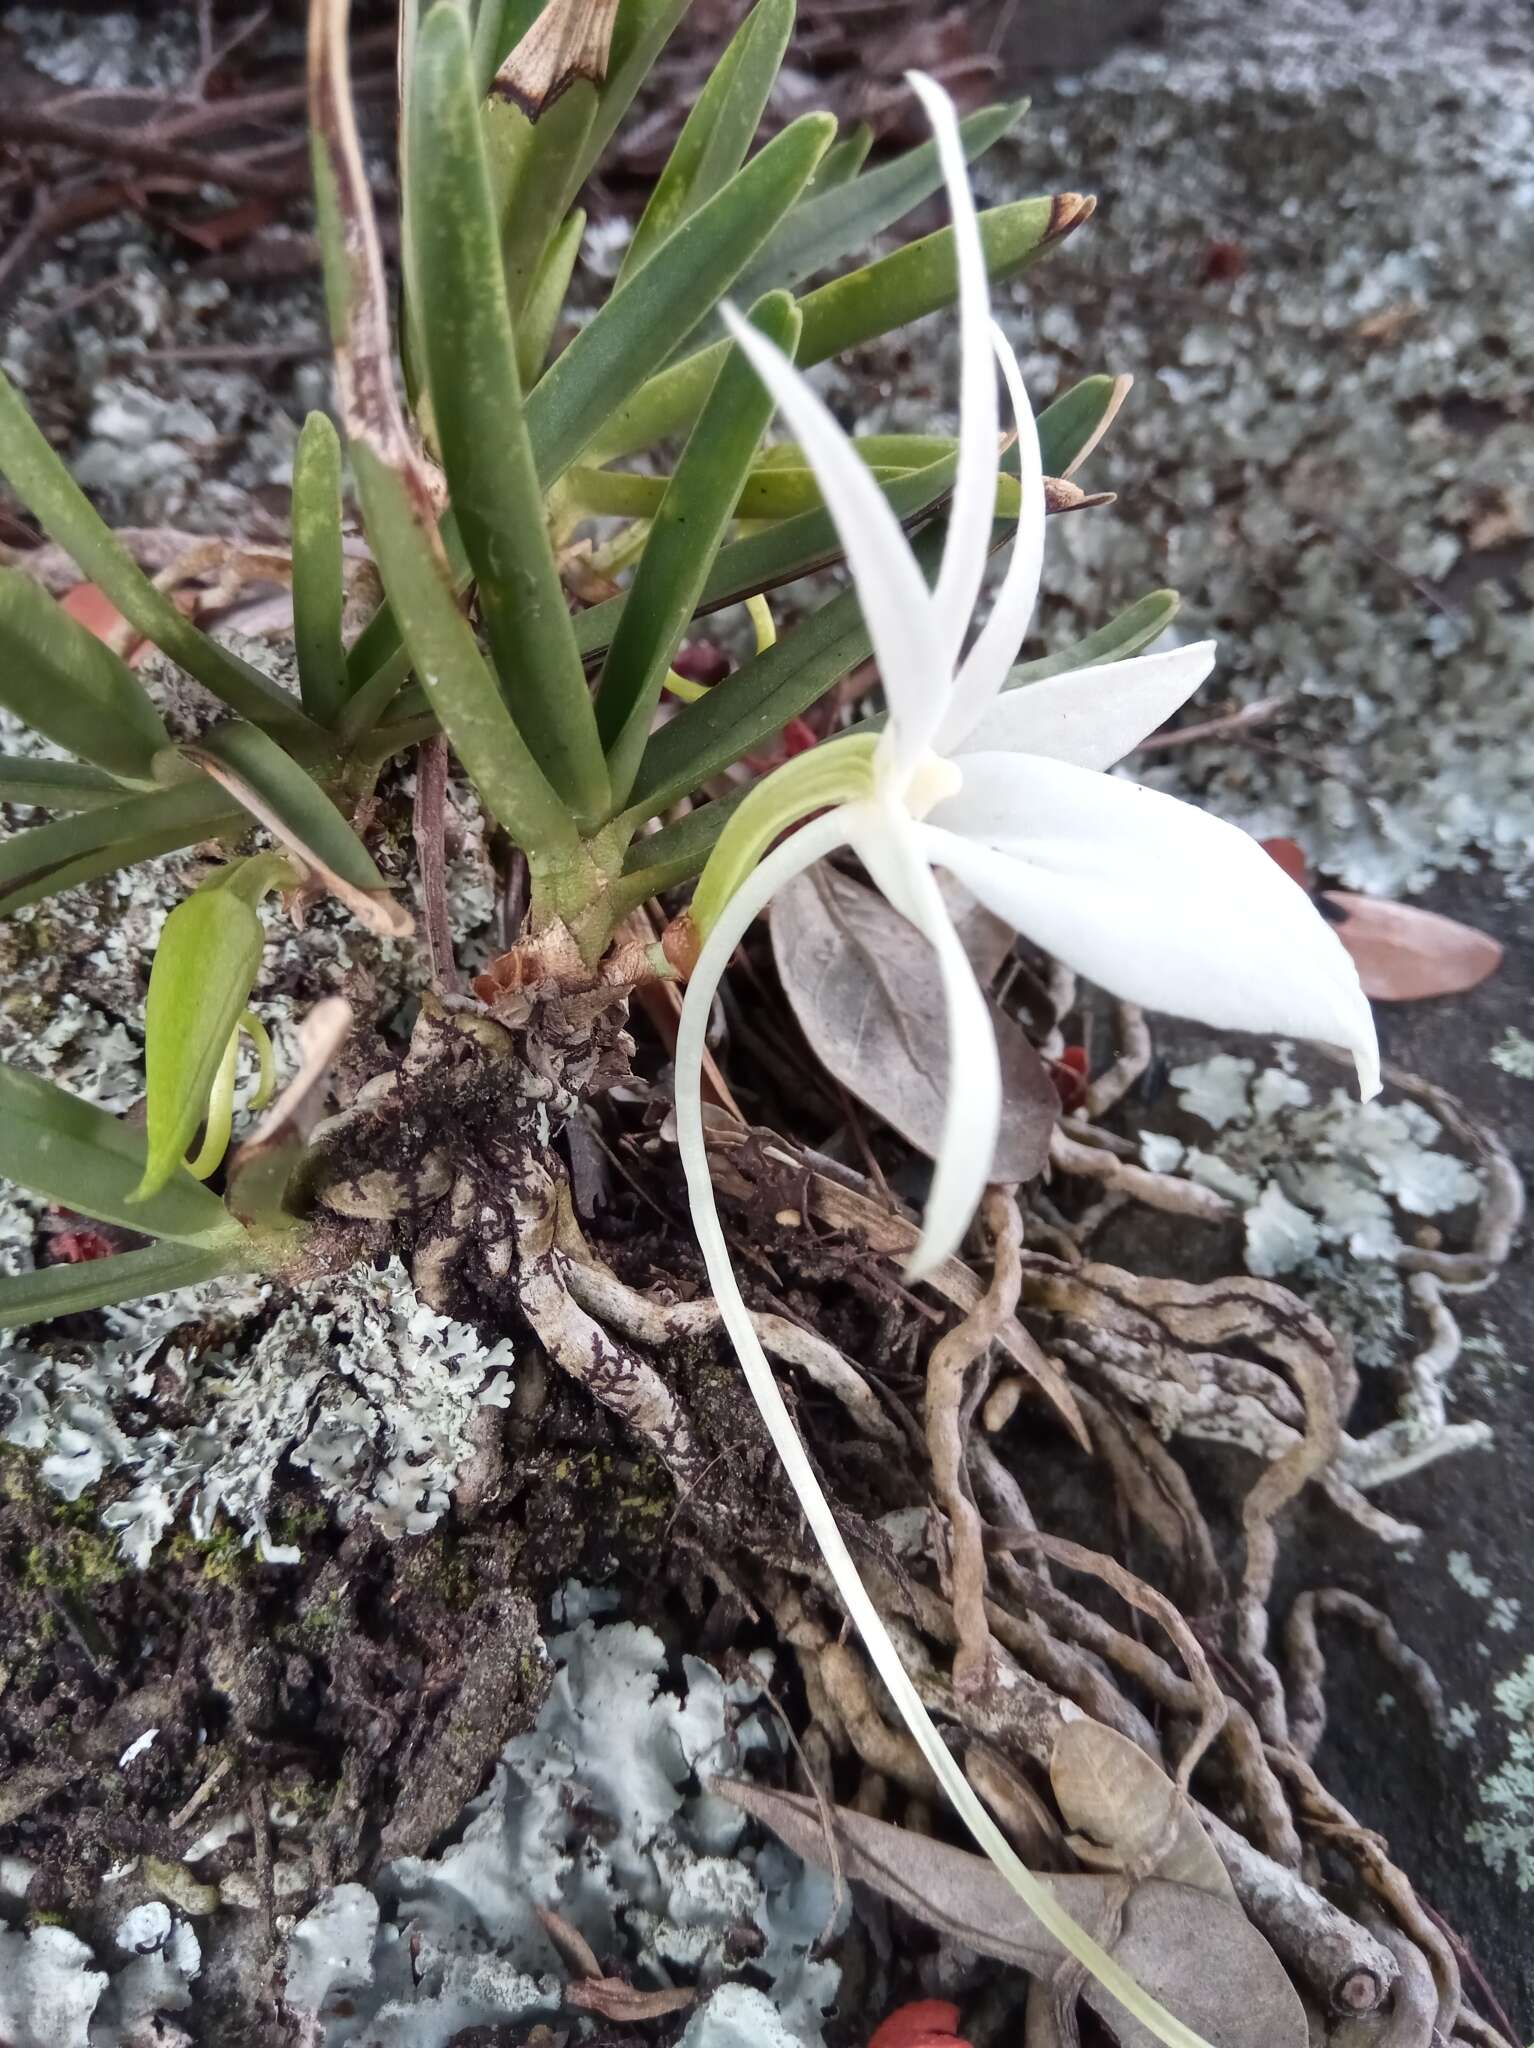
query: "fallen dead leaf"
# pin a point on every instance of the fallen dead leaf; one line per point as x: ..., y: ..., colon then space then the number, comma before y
x: 1404, y: 954
x: 611, y: 1999
x: 216, y: 232
x: 1199, y: 1956
x: 1109, y: 1790
x: 864, y: 987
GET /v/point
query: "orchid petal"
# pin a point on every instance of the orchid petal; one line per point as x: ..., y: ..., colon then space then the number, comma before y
x: 892, y: 853
x: 1153, y: 900
x: 796, y: 854
x: 893, y: 593
x: 984, y: 669
x: 973, y: 505
x: 1092, y: 716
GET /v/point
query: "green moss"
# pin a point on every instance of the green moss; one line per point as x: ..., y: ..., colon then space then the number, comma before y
x: 72, y: 1560
x: 295, y: 1520
x: 221, y: 1559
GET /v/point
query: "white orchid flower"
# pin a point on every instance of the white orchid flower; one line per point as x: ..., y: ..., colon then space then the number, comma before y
x: 1152, y: 899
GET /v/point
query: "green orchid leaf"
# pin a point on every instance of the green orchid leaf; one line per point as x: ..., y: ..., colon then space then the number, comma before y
x: 318, y: 590
x: 378, y: 644
x: 1132, y: 630
x: 840, y: 164
x: 61, y: 680
x: 398, y: 505
x: 528, y: 167
x: 824, y: 229
x: 56, y: 785
x: 205, y: 967
x: 42, y: 482
x: 717, y: 133
x: 689, y: 523
x: 686, y: 277
x: 71, y: 1153
x: 51, y: 858
x: 545, y: 301
x: 460, y: 685
x: 674, y: 854
x: 367, y: 704
x: 1072, y: 427
x: 771, y: 491
x: 797, y: 547
x: 899, y: 288
x: 69, y: 1290
x: 471, y: 367
x: 783, y: 553
x: 286, y: 799
x: 748, y: 708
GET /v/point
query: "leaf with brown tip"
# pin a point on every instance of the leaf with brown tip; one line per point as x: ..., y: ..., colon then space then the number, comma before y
x: 1404, y: 954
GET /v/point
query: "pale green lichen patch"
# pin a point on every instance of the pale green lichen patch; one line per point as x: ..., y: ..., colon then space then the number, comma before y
x: 1505, y: 1835
x: 1310, y: 1176
x: 1466, y: 1577
x: 1514, y: 1054
x: 353, y: 1381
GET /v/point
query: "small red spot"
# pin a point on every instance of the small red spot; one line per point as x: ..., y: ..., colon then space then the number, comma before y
x: 1290, y: 856
x: 1223, y: 262
x: 797, y: 737
x: 75, y: 1247
x: 700, y: 661
x: 1070, y: 1073
x: 925, y: 2023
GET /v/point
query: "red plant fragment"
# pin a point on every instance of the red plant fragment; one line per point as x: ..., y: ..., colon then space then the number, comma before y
x: 701, y: 661
x: 95, y: 611
x: 1290, y: 857
x: 924, y: 2023
x: 1223, y: 262
x: 78, y: 1246
x: 1070, y: 1074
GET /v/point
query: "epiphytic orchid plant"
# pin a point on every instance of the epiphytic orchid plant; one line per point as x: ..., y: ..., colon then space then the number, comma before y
x: 1152, y: 898
x: 473, y: 471
x: 543, y: 671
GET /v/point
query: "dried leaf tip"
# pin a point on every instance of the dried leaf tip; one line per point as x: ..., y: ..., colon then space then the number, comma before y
x: 364, y: 348
x: 569, y: 40
x: 1067, y: 212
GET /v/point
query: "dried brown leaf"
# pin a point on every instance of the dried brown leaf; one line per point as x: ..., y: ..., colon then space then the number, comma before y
x: 611, y: 1999
x: 1199, y: 1956
x: 570, y: 39
x: 1404, y: 954
x: 1110, y: 1791
x: 864, y: 986
x: 260, y: 1168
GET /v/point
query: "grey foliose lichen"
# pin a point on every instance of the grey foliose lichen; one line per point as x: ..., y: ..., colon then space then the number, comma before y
x: 1310, y: 1173
x: 601, y: 1814
x: 354, y: 1381
x: 55, y: 1993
